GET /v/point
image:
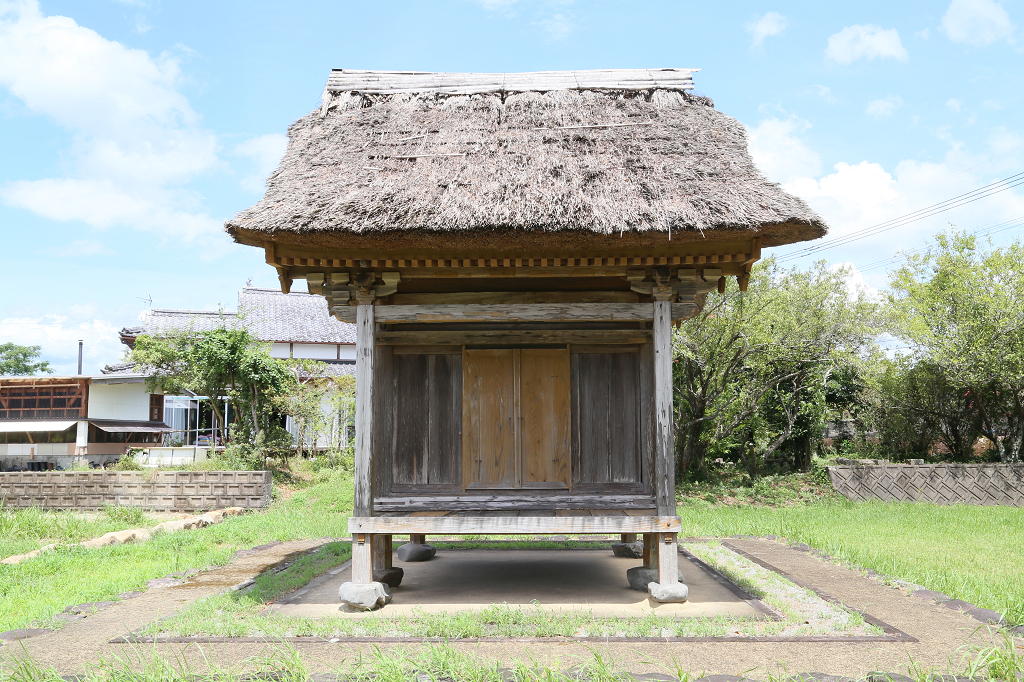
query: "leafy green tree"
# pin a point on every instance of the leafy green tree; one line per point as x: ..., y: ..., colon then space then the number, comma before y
x: 753, y: 364
x: 220, y: 362
x: 18, y: 360
x: 961, y: 309
x: 919, y: 405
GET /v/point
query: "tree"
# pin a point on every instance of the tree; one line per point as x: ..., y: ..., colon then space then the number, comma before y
x: 225, y: 362
x: 917, y: 405
x: 18, y: 360
x: 961, y: 309
x: 752, y: 364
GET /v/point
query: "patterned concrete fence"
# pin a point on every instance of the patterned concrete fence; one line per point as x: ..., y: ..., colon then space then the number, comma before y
x: 158, y: 490
x: 986, y: 484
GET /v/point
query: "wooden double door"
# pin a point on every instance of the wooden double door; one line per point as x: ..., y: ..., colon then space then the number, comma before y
x: 516, y: 415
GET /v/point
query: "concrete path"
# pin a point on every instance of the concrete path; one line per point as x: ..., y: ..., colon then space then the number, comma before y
x: 940, y: 631
x: 555, y: 580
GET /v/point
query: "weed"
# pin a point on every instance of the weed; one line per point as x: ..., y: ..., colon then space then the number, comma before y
x: 129, y: 517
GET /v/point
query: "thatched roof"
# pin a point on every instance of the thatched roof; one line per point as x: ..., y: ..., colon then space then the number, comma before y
x: 559, y: 158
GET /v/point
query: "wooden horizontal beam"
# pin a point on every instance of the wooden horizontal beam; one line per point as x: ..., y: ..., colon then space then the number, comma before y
x: 513, y: 337
x: 538, y: 312
x: 514, y: 297
x: 512, y: 525
x: 517, y: 502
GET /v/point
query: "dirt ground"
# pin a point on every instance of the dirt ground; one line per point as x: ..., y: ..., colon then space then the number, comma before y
x: 941, y: 633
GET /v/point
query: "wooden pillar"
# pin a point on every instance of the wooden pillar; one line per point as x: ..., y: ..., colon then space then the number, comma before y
x: 664, y: 452
x: 365, y: 340
x: 650, y: 550
x: 362, y: 558
x: 381, y: 552
x: 627, y: 538
x: 417, y: 539
x: 668, y: 558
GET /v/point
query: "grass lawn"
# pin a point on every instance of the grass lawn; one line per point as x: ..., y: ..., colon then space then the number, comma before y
x: 970, y: 553
x: 35, y: 590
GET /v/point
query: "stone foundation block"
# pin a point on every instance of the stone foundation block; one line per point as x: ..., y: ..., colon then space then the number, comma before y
x: 392, y: 577
x: 639, y: 577
x: 673, y: 592
x: 628, y: 550
x: 363, y: 597
x: 414, y: 552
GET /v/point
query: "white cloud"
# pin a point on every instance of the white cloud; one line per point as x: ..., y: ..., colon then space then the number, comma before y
x: 58, y: 338
x: 855, y: 282
x: 556, y: 27
x: 954, y: 104
x: 864, y: 42
x: 881, y: 108
x: 771, y: 24
x: 84, y: 247
x: 136, y: 138
x: 779, y: 153
x: 265, y: 152
x: 825, y: 93
x: 863, y: 195
x: 923, y: 34
x: 977, y: 22
x: 992, y: 104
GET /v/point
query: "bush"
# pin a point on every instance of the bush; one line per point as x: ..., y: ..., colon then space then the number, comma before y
x: 128, y: 462
x: 339, y: 460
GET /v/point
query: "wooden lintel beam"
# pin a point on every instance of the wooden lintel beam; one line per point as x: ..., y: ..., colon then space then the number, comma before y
x: 513, y: 337
x: 512, y: 525
x: 537, y: 312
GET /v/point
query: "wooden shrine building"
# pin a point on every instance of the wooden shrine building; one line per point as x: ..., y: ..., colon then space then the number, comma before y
x: 514, y: 250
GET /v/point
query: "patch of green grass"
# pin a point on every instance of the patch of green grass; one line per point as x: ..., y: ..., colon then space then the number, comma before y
x: 734, y: 488
x: 968, y: 552
x: 36, y: 590
x: 25, y: 530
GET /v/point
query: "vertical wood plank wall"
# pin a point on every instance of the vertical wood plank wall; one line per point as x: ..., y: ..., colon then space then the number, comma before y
x: 426, y: 439
x: 544, y: 406
x: 489, y: 418
x: 606, y: 418
x: 432, y: 406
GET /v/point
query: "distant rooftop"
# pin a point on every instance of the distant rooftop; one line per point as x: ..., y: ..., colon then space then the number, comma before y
x: 267, y: 313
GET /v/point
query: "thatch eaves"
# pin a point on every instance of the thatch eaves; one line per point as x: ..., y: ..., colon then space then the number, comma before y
x: 506, y: 160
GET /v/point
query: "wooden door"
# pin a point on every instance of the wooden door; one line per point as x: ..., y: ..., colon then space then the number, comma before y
x: 489, y: 423
x: 516, y: 419
x: 544, y: 418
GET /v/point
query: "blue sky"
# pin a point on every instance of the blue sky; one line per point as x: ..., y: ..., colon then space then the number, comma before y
x: 131, y: 129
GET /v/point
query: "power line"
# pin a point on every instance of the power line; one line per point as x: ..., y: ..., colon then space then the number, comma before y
x: 993, y: 228
x: 931, y: 184
x: 920, y: 214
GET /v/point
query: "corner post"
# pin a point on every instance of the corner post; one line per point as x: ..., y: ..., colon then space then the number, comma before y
x: 664, y: 456
x: 365, y: 342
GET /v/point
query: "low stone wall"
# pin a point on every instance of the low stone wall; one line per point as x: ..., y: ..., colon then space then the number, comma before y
x: 157, y: 490
x: 984, y: 484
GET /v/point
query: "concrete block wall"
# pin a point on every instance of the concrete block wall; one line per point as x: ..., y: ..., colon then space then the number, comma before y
x: 158, y: 490
x: 981, y: 484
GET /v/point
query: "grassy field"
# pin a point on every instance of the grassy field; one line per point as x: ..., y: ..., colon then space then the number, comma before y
x: 970, y: 553
x: 35, y: 590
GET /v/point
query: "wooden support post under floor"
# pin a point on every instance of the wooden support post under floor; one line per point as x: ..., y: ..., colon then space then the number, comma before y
x: 362, y: 558
x: 668, y: 558
x: 417, y: 539
x: 627, y: 538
